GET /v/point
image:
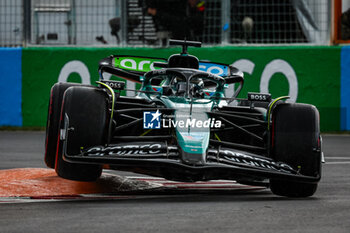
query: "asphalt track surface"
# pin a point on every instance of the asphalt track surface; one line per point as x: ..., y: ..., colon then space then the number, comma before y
x: 327, y: 211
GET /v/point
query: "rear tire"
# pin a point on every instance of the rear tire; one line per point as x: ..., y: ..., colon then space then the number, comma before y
x: 53, y: 118
x: 86, y: 108
x: 296, y: 141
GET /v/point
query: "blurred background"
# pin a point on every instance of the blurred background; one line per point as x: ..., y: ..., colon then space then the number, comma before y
x: 153, y: 22
x: 298, y: 48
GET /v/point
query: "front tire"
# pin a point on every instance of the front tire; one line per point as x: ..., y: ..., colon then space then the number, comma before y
x: 296, y: 141
x: 87, y: 112
x: 53, y: 120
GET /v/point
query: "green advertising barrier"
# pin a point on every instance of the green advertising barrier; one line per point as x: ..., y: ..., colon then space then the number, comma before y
x: 307, y: 74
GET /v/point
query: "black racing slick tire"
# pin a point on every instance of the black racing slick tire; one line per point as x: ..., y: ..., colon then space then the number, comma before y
x: 84, y: 118
x: 53, y: 118
x: 296, y: 141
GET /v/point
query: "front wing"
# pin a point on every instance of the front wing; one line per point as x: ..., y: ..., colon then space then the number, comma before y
x: 160, y: 159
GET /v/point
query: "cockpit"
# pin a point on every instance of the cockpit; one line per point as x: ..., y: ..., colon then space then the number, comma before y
x: 183, y: 83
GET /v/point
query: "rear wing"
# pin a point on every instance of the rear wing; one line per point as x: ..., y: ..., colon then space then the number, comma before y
x: 132, y: 67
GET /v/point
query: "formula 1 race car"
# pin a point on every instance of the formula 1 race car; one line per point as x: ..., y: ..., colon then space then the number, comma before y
x: 181, y: 126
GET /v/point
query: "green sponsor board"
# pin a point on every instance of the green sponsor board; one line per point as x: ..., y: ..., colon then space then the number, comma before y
x: 308, y: 74
x: 316, y: 70
x: 43, y: 67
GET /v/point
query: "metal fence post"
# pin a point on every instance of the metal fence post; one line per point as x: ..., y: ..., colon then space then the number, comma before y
x: 124, y: 23
x: 27, y: 4
x: 225, y: 21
